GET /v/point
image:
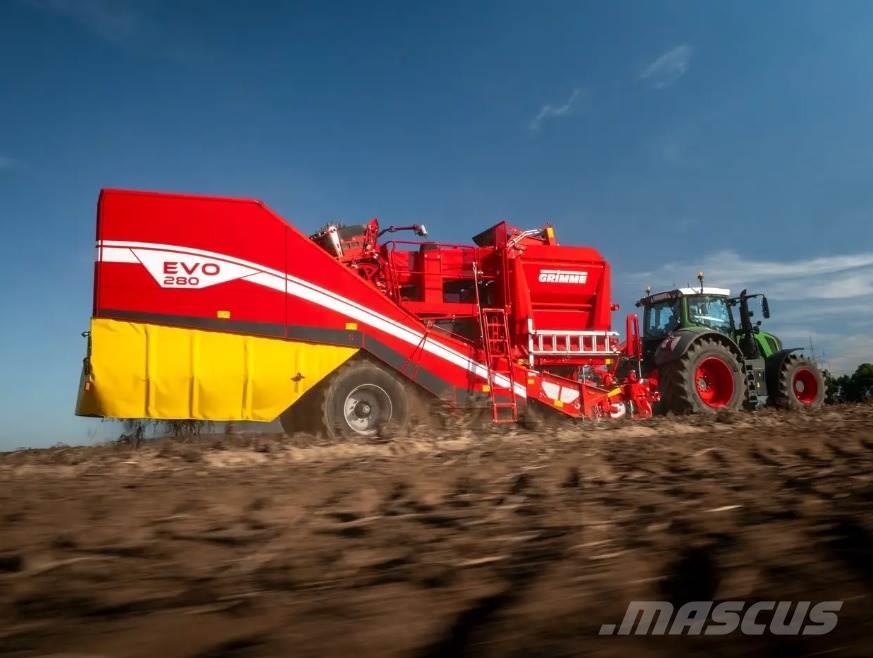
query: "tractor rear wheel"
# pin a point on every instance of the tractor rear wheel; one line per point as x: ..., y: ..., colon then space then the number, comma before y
x: 799, y: 384
x: 363, y: 401
x: 707, y: 379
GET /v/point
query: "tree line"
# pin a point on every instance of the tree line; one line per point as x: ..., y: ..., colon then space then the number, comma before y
x: 857, y: 387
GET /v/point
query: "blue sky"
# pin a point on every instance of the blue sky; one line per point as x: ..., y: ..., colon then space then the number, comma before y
x: 673, y: 136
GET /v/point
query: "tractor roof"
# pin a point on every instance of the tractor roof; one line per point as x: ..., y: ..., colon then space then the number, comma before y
x: 684, y: 292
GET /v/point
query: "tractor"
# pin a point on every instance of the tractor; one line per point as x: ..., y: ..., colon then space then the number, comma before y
x: 707, y: 354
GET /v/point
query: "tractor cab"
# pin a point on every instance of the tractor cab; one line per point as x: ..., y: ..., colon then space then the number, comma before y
x: 708, y: 309
x: 700, y: 309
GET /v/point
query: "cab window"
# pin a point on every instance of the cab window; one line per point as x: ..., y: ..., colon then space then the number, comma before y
x: 662, y: 318
x: 710, y: 311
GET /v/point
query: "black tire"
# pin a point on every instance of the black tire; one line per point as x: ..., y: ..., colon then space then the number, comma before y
x: 363, y: 401
x: 799, y: 384
x: 683, y: 389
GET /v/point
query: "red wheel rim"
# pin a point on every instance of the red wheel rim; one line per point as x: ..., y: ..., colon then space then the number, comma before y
x: 805, y: 385
x: 715, y: 382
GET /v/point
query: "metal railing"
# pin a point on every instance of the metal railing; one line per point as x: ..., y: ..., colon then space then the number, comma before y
x: 563, y: 342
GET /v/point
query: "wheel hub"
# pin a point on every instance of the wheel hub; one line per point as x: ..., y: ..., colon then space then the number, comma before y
x: 714, y: 382
x: 805, y: 386
x: 366, y: 408
x: 363, y: 410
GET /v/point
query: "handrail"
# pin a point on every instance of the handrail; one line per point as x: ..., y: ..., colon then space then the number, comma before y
x: 569, y: 342
x: 567, y: 332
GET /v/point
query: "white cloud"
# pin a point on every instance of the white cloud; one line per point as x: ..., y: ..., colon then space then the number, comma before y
x: 838, y: 353
x: 668, y: 67
x: 829, y: 277
x: 849, y: 352
x: 555, y: 111
x: 851, y: 311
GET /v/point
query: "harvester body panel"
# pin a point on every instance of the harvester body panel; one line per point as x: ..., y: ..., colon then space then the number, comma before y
x: 146, y: 370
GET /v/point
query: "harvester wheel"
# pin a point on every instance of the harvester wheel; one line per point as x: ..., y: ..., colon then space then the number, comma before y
x: 799, y: 384
x: 363, y: 401
x: 707, y: 378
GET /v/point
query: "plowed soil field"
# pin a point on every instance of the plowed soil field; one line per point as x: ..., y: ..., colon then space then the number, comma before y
x: 441, y: 543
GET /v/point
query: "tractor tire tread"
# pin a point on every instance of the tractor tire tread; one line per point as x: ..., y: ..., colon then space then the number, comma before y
x: 677, y: 380
x: 784, y: 397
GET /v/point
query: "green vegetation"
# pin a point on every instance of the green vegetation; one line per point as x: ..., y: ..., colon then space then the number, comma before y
x: 857, y: 387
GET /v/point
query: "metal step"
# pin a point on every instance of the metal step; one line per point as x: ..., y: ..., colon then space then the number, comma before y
x: 495, y: 412
x: 752, y: 399
x: 495, y: 339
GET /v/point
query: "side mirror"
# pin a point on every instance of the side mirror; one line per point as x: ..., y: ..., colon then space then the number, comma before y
x: 420, y: 230
x: 765, y: 307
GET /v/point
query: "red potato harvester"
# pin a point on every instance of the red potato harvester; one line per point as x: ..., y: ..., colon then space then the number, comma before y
x: 217, y: 309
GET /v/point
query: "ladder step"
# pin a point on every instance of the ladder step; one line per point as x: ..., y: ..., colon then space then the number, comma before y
x: 504, y: 418
x: 497, y: 417
x: 498, y: 359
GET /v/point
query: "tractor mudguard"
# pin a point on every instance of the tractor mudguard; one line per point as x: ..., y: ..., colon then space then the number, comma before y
x: 774, y: 365
x: 679, y: 342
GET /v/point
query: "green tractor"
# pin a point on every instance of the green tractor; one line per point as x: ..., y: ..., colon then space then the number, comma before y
x: 706, y: 359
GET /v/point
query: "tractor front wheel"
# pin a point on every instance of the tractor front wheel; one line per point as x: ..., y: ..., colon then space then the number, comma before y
x: 799, y: 384
x: 707, y: 378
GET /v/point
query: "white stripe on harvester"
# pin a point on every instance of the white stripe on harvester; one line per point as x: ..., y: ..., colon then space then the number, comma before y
x: 119, y: 251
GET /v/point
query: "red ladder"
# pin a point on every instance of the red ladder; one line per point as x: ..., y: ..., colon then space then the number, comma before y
x: 498, y: 360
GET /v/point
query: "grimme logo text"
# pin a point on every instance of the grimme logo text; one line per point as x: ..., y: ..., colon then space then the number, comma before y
x: 562, y: 276
x: 709, y: 618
